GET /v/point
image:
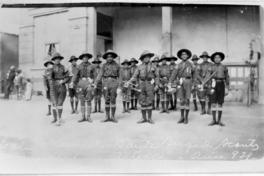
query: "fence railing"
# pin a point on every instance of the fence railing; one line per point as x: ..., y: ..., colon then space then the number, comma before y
x: 244, y: 79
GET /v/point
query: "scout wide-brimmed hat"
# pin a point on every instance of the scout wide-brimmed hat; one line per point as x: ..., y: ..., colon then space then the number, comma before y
x: 56, y: 56
x: 155, y: 59
x: 222, y: 55
x: 204, y: 54
x: 111, y: 52
x: 167, y: 57
x: 73, y: 58
x: 133, y: 60
x: 146, y: 53
x: 125, y: 62
x: 194, y: 57
x: 97, y: 61
x: 173, y: 58
x: 188, y: 52
x: 48, y: 62
x: 85, y: 53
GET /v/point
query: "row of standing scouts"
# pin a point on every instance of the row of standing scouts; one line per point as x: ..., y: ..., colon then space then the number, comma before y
x: 152, y: 83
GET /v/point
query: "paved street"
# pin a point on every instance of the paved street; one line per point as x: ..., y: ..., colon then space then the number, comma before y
x: 26, y: 132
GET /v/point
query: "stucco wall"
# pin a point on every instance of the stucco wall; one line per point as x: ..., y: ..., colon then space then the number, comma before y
x: 135, y: 30
x: 212, y: 28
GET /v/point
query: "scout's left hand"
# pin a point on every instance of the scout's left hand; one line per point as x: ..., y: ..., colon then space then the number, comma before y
x: 61, y: 81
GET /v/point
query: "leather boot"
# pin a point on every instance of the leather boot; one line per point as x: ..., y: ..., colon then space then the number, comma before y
x: 135, y: 105
x: 186, y: 116
x: 128, y: 110
x: 195, y: 105
x: 99, y: 105
x: 214, y: 119
x: 88, y: 115
x: 83, y: 114
x: 107, y: 113
x: 149, y: 111
x: 49, y: 110
x: 54, y: 116
x: 144, y: 116
x: 209, y: 108
x: 72, y: 106
x: 113, y: 119
x: 219, y: 119
x: 95, y: 106
x: 203, y: 107
x: 76, y: 106
x: 182, y: 116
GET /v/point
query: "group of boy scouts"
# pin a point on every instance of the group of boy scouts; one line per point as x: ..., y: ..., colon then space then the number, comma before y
x: 156, y: 81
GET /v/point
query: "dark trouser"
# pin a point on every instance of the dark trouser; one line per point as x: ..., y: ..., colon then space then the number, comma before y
x: 59, y: 98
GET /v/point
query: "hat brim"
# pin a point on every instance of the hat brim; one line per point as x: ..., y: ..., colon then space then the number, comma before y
x: 111, y: 53
x: 134, y: 61
x: 222, y: 55
x: 48, y: 62
x: 123, y: 63
x: 145, y: 55
x: 204, y: 56
x: 96, y: 62
x: 75, y: 59
x: 85, y: 54
x: 189, y: 53
x: 57, y: 57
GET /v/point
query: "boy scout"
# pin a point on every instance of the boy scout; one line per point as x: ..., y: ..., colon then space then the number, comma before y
x: 72, y: 89
x: 83, y: 80
x: 156, y: 100
x: 183, y: 76
x: 125, y: 75
x: 194, y: 90
x: 110, y: 72
x: 60, y: 76
x: 98, y: 89
x: 146, y: 73
x: 203, y: 72
x: 220, y: 85
x: 173, y: 96
x: 48, y: 64
x: 164, y: 75
x: 134, y: 93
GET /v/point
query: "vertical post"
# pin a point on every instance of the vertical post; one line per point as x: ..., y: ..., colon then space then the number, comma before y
x: 166, y: 29
x: 91, y: 36
x: 261, y: 62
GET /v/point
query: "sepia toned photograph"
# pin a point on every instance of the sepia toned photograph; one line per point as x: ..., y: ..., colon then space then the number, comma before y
x: 131, y: 87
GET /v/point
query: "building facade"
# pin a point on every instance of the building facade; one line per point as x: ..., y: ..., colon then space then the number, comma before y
x: 130, y: 30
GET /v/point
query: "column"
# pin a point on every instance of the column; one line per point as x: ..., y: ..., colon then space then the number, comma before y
x: 166, y: 29
x: 91, y: 30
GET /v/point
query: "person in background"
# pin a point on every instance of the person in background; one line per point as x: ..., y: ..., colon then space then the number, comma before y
x: 195, y: 82
x: 48, y: 64
x: 134, y: 93
x: 73, y: 69
x: 18, y: 82
x: 29, y: 90
x: 99, y: 88
x: 125, y: 75
x: 11, y: 74
x: 156, y: 100
x: 173, y: 96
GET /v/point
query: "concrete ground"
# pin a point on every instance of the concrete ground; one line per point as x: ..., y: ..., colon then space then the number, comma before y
x: 27, y: 137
